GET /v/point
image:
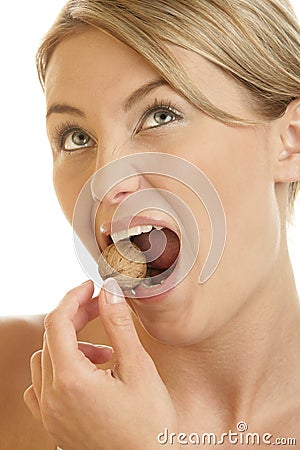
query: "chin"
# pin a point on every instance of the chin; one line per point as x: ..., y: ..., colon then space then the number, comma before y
x: 173, y: 320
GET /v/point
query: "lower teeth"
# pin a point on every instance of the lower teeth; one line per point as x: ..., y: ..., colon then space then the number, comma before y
x: 147, y: 283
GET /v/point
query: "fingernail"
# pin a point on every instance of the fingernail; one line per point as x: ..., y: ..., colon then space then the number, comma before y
x: 283, y: 155
x: 113, y: 292
x: 103, y: 346
x: 86, y: 282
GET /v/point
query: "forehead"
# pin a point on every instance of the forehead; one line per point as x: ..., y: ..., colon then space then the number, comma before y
x: 92, y: 64
x: 95, y: 60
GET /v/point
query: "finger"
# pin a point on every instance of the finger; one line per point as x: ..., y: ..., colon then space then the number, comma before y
x: 61, y: 326
x: 119, y: 326
x: 46, y: 365
x: 86, y: 313
x: 97, y: 354
x: 36, y: 373
x: 32, y: 403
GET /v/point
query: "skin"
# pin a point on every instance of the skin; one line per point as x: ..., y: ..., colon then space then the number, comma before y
x: 232, y: 339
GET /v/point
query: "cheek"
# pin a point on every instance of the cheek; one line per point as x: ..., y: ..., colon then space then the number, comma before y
x: 247, y: 191
x: 237, y: 162
x: 68, y: 181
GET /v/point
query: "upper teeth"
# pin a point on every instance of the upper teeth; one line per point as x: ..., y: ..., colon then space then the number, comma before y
x: 133, y: 231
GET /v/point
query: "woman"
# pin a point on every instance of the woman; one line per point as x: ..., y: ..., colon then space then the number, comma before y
x: 223, y: 92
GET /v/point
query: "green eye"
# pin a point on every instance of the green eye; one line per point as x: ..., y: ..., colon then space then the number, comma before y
x: 74, y: 140
x: 162, y: 117
x: 158, y: 114
x: 159, y: 118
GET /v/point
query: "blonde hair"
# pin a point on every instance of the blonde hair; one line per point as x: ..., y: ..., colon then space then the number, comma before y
x: 257, y: 42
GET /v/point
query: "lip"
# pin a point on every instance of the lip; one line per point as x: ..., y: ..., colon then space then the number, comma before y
x: 107, y: 228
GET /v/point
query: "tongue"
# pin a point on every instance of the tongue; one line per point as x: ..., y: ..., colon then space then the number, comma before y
x: 155, y: 240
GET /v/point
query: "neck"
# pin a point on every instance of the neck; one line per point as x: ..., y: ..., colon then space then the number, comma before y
x: 250, y: 361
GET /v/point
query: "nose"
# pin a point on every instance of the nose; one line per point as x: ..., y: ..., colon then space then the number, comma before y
x: 122, y: 190
x: 117, y: 174
x: 120, y: 171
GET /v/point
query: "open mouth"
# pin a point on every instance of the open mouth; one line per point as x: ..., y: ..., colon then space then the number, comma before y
x: 159, y: 243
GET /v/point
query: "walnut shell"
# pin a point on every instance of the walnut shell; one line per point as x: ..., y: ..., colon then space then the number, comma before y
x: 116, y: 261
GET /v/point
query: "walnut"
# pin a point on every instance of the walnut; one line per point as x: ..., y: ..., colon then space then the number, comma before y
x: 113, y: 262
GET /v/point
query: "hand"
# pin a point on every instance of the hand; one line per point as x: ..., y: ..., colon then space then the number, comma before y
x: 86, y: 408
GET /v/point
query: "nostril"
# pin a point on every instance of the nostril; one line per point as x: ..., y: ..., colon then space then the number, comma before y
x: 122, y: 190
x: 121, y: 195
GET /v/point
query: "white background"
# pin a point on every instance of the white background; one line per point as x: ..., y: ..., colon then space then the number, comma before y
x: 38, y: 262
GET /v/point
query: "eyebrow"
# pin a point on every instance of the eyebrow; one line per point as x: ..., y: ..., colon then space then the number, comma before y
x: 133, y: 98
x: 142, y: 92
x: 58, y: 108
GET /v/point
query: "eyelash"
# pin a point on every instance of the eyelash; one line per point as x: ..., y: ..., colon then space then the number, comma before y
x: 155, y: 106
x: 60, y: 133
x: 63, y: 129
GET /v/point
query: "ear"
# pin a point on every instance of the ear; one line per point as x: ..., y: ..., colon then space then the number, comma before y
x: 288, y: 159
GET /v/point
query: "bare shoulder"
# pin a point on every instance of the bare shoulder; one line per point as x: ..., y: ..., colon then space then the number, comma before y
x: 20, y: 337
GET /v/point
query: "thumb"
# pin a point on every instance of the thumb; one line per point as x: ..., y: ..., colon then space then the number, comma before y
x: 130, y: 355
